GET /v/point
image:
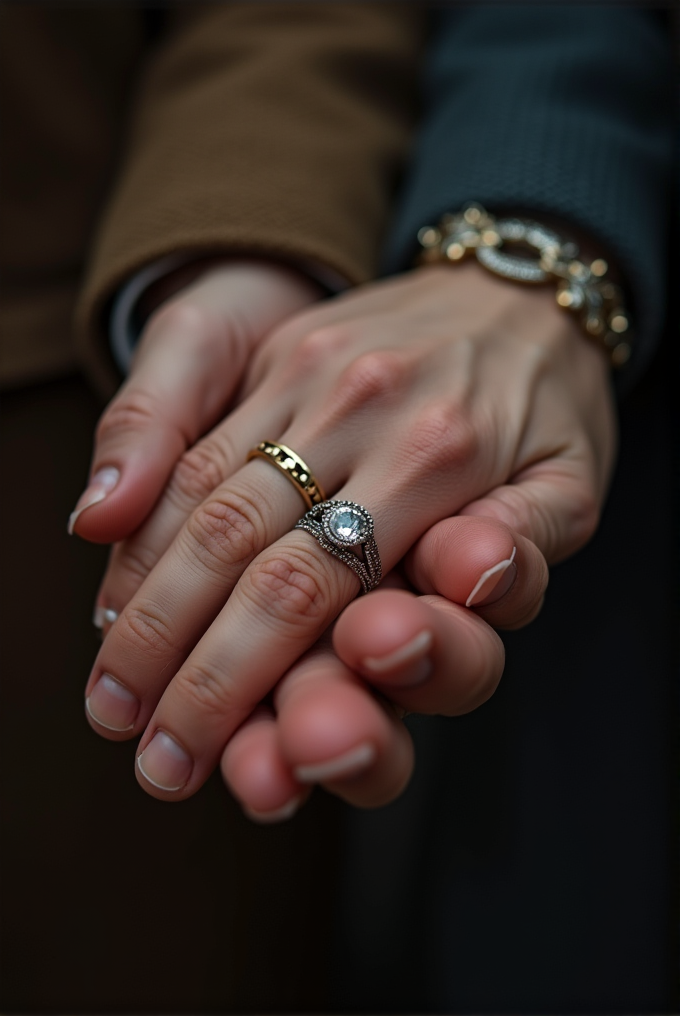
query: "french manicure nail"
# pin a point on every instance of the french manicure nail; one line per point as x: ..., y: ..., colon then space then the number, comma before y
x: 164, y: 763
x: 111, y: 705
x: 410, y: 660
x: 494, y: 582
x: 101, y: 484
x: 350, y: 764
x: 103, y: 615
x: 278, y: 815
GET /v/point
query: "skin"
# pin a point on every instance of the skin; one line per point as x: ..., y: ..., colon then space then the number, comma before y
x: 468, y: 414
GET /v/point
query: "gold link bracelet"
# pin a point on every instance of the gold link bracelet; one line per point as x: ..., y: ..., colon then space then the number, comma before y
x: 583, y: 289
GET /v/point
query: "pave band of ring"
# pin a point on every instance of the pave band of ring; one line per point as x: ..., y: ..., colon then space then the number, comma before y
x: 293, y: 468
x: 340, y: 525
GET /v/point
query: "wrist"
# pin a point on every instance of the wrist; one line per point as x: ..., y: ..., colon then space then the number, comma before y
x: 529, y: 252
x: 180, y: 279
x: 159, y: 282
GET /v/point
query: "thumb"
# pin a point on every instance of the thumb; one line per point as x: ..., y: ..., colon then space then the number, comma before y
x: 186, y: 370
x: 554, y: 504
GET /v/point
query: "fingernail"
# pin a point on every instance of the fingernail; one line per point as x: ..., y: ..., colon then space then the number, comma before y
x: 350, y: 764
x: 279, y: 815
x: 111, y: 705
x: 494, y: 582
x: 101, y: 484
x: 411, y: 661
x: 164, y: 763
x: 103, y: 615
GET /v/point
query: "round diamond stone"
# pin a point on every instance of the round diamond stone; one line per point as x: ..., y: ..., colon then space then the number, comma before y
x: 347, y: 526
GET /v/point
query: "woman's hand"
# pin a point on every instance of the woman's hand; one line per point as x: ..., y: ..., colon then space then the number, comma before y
x: 434, y: 394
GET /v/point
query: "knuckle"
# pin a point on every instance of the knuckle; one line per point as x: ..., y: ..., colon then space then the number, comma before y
x: 225, y: 533
x: 146, y: 630
x: 131, y: 410
x: 292, y: 589
x: 185, y: 316
x: 313, y: 349
x: 133, y: 562
x: 443, y: 436
x: 371, y: 377
x: 568, y: 529
x: 198, y: 472
x: 203, y: 687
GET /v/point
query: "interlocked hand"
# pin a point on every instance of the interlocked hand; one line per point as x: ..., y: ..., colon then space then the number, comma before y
x: 474, y: 423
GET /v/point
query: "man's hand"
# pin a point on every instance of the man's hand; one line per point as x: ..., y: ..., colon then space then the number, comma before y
x: 421, y: 654
x: 187, y: 368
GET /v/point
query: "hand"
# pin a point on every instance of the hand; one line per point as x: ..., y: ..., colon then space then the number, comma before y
x: 419, y: 397
x: 213, y: 313
x: 386, y: 621
x: 427, y: 654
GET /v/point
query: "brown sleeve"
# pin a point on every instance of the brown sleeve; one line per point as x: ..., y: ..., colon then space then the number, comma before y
x: 272, y: 128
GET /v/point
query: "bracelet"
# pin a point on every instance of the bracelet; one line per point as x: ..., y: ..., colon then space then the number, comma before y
x: 584, y: 289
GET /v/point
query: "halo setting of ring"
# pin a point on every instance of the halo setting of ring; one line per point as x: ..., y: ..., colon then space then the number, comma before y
x: 338, y: 526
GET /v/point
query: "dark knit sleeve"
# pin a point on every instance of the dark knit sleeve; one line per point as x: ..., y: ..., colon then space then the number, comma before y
x: 564, y: 110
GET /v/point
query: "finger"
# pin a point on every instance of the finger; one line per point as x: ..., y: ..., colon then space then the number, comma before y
x: 256, y: 772
x: 334, y: 732
x: 278, y: 609
x: 166, y: 404
x: 425, y: 654
x: 330, y: 729
x: 552, y: 503
x: 157, y: 630
x: 186, y: 370
x: 195, y: 478
x: 482, y: 564
x: 155, y: 633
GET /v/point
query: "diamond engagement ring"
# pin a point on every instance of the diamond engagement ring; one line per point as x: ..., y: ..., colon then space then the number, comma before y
x: 339, y: 526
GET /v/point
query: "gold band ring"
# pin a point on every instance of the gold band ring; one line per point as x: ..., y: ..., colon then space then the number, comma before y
x: 293, y: 468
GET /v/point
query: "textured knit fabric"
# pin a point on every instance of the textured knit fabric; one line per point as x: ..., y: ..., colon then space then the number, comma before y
x: 567, y: 110
x: 66, y: 76
x: 277, y: 129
